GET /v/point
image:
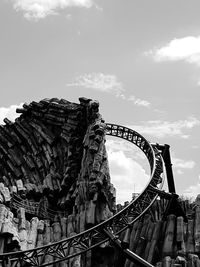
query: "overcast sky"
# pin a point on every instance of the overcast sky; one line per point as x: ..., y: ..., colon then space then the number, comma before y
x: 140, y: 59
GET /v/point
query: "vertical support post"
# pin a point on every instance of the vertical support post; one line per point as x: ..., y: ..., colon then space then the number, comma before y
x: 173, y: 206
x: 165, y: 152
x: 168, y: 165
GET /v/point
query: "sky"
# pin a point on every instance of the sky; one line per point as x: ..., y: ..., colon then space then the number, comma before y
x: 140, y: 59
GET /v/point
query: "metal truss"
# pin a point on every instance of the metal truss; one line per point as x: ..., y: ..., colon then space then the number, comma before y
x: 95, y: 236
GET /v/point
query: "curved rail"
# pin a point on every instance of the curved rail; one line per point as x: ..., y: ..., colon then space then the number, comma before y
x: 95, y: 236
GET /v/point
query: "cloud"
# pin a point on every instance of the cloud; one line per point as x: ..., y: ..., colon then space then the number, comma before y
x: 126, y: 174
x: 181, y: 165
x: 138, y: 101
x: 193, y: 190
x: 9, y: 112
x: 101, y: 82
x: 130, y: 150
x: 186, y: 49
x: 160, y: 129
x: 39, y: 9
x: 107, y: 83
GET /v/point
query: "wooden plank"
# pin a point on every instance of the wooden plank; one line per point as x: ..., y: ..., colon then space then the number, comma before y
x: 190, y: 237
x: 168, y: 246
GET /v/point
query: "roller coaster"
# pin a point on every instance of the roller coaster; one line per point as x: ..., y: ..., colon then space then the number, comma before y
x: 109, y: 231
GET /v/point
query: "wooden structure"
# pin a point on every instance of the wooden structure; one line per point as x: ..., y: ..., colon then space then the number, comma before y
x: 58, y: 204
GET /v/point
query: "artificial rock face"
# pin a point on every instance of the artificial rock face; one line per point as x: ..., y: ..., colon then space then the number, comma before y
x: 54, y: 175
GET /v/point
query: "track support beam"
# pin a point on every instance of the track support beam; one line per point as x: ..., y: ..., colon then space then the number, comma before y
x: 165, y: 152
x: 127, y: 252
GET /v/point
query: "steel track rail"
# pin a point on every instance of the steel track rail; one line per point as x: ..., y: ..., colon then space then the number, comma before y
x: 96, y: 235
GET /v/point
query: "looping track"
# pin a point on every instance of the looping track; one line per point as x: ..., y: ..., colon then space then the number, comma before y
x: 96, y: 235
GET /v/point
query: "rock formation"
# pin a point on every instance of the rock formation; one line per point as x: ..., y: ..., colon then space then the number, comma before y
x: 55, y: 183
x: 54, y: 175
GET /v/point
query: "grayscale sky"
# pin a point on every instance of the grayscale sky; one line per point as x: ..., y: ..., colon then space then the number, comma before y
x: 140, y: 59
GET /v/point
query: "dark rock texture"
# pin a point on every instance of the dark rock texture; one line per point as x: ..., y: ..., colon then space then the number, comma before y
x: 54, y: 175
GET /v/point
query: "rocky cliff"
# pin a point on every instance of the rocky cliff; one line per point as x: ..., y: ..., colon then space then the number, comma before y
x: 54, y: 174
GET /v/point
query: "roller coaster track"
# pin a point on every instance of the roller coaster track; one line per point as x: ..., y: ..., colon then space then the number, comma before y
x: 108, y: 230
